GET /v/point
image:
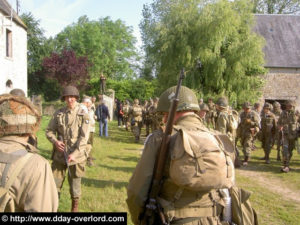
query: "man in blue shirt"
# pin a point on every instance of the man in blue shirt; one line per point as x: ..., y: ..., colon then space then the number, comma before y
x: 102, y: 114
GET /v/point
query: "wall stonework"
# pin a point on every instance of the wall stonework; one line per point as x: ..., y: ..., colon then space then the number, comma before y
x: 282, y: 86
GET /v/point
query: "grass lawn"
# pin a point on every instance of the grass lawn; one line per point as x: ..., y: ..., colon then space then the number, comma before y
x: 104, y: 186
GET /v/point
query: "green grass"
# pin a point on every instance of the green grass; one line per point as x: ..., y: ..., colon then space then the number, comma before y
x: 104, y: 186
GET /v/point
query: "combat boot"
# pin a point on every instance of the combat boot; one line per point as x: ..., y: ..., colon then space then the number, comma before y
x: 75, y: 203
x: 245, y: 162
x: 285, y: 169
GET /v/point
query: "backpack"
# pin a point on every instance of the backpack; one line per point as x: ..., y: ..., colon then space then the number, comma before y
x: 6, y: 201
x: 199, y: 160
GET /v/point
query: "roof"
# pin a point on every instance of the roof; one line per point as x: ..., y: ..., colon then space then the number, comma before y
x: 282, y: 35
x: 5, y: 7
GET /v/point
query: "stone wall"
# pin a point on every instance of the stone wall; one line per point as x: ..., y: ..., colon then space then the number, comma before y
x: 282, y: 86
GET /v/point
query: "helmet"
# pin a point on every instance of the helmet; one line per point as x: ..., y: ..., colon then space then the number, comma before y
x: 204, y: 107
x: 187, y: 100
x: 256, y: 105
x: 276, y: 104
x: 222, y: 102
x: 17, y: 92
x: 267, y: 106
x: 247, y: 105
x: 18, y: 116
x: 136, y: 101
x: 70, y: 91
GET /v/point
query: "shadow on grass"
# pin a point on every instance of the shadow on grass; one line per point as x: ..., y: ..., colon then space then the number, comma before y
x: 132, y: 158
x: 103, y: 183
x: 123, y: 169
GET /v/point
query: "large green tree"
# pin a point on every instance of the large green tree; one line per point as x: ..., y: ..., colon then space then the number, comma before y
x: 180, y: 33
x: 38, y: 47
x: 109, y: 46
x: 276, y: 6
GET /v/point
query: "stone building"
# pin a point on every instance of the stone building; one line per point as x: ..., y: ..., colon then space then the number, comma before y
x: 282, y: 56
x: 13, y: 50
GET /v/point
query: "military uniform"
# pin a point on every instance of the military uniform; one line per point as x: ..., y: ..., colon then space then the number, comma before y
x: 154, y: 116
x: 210, y: 115
x: 180, y: 204
x: 248, y: 128
x: 268, y: 129
x: 72, y: 126
x: 288, y: 121
x: 126, y: 110
x: 277, y: 137
x: 136, y: 113
x: 27, y: 183
x: 146, y: 116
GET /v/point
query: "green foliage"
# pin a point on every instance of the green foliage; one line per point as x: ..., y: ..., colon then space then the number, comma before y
x: 276, y: 6
x: 38, y: 47
x: 218, y: 33
x: 127, y: 88
x: 109, y: 46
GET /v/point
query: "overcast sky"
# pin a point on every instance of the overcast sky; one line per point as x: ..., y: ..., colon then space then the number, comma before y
x: 55, y: 15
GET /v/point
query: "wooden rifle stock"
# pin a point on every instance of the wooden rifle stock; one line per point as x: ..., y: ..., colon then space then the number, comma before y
x: 60, y: 138
x: 152, y: 204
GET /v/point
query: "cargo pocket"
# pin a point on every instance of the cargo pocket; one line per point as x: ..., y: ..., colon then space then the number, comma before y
x: 79, y: 170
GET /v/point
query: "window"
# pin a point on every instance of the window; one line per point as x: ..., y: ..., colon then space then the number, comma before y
x: 8, y: 43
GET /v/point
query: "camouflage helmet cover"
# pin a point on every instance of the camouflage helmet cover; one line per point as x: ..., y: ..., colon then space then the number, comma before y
x: 18, y: 116
x: 69, y: 91
x: 222, y: 102
x: 187, y: 100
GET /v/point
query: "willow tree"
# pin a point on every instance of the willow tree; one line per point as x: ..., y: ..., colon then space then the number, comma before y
x: 179, y: 33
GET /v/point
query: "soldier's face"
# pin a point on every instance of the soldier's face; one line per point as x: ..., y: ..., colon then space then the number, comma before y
x: 71, y: 101
x: 202, y: 113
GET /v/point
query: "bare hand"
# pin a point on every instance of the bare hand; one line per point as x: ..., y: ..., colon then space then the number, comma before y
x: 71, y: 158
x: 60, y: 146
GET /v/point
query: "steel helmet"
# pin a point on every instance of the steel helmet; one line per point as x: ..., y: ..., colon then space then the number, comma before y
x: 70, y: 91
x: 187, y: 100
x: 222, y: 102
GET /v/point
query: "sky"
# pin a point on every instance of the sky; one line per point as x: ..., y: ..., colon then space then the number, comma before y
x: 55, y: 15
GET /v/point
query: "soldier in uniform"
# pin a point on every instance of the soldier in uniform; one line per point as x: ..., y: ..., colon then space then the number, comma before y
x: 277, y: 138
x: 288, y: 125
x: 27, y: 183
x: 136, y: 113
x: 146, y: 116
x: 248, y: 128
x: 221, y: 119
x: 179, y: 205
x: 268, y: 129
x: 126, y: 109
x: 68, y: 131
x: 210, y: 116
x: 202, y: 113
x: 154, y: 116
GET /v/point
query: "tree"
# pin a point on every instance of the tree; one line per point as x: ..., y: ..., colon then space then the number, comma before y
x: 180, y: 33
x: 67, y: 68
x: 276, y: 6
x: 108, y: 45
x: 37, y: 48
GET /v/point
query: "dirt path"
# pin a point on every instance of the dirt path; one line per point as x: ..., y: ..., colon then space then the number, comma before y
x: 274, y: 184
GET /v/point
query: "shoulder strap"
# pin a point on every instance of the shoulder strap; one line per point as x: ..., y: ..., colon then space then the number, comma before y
x: 21, y: 163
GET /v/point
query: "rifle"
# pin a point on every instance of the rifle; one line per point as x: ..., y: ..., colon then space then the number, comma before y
x: 60, y: 138
x: 152, y: 204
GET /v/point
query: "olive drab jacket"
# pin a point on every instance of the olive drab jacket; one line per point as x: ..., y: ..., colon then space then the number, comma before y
x: 33, y: 188
x: 289, y: 121
x: 73, y: 127
x: 202, y: 206
x: 248, y: 121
